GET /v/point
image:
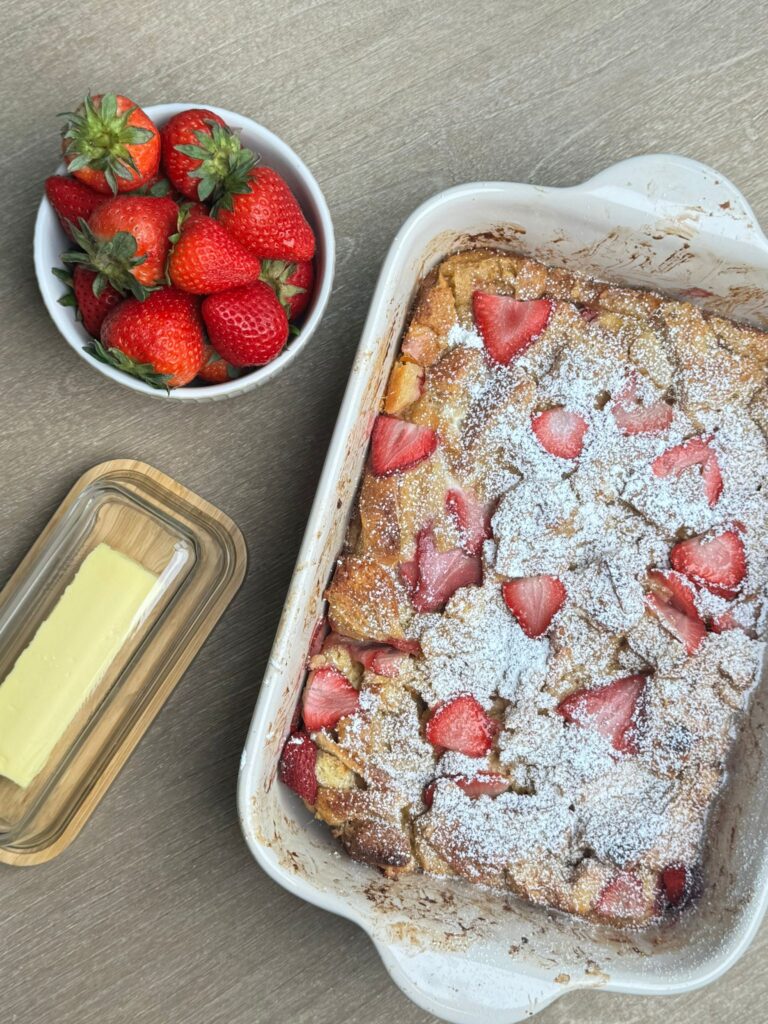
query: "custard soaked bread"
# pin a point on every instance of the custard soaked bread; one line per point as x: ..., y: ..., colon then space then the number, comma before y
x: 546, y: 621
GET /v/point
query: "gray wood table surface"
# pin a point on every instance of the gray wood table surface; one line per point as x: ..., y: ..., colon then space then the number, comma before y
x: 157, y: 913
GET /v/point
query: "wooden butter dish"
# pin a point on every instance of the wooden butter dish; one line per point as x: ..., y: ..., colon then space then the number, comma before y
x: 199, y: 557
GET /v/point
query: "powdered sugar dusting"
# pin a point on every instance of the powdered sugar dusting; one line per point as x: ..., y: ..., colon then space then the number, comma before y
x: 577, y: 808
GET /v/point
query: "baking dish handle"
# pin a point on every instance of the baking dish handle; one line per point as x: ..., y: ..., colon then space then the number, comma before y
x: 463, y: 991
x: 681, y: 190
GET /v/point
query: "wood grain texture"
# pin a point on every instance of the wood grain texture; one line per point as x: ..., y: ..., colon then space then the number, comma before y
x: 157, y: 914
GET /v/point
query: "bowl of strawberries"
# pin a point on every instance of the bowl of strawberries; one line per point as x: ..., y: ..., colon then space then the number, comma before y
x: 182, y: 251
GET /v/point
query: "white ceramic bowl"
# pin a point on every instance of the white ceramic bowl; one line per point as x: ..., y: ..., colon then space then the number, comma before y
x: 50, y: 241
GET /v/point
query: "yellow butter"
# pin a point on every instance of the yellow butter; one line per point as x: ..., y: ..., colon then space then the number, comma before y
x: 68, y: 655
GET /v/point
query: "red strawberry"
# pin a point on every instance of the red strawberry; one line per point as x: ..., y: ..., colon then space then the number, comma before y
x: 695, y: 452
x: 471, y: 517
x: 328, y: 696
x: 159, y: 340
x: 268, y: 220
x: 93, y: 307
x: 442, y: 573
x: 71, y: 200
x: 297, y: 766
x: 319, y: 634
x: 482, y: 784
x: 207, y: 259
x: 462, y: 725
x: 292, y: 283
x: 672, y: 599
x: 508, y: 325
x: 633, y: 418
x: 110, y: 144
x: 126, y: 241
x: 406, y: 646
x: 398, y: 444
x: 724, y: 622
x: 623, y: 897
x: 203, y: 157
x: 410, y: 574
x: 534, y: 601
x: 386, y: 661
x: 680, y: 884
x: 560, y: 432
x: 215, y: 370
x: 247, y: 326
x: 717, y: 562
x: 379, y: 658
x: 610, y: 710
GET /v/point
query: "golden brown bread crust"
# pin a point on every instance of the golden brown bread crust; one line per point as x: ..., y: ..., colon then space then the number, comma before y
x: 703, y: 365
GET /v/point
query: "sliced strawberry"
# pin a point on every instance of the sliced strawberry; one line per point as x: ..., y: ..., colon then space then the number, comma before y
x: 406, y: 646
x: 560, y: 432
x: 410, y: 574
x: 680, y: 884
x: 386, y: 661
x: 462, y: 725
x: 717, y: 562
x: 319, y: 633
x: 482, y: 784
x: 471, y: 518
x: 441, y: 573
x: 397, y: 444
x: 623, y: 898
x: 723, y: 623
x: 695, y: 452
x: 534, y: 601
x: 673, y: 883
x: 508, y: 325
x: 672, y: 599
x: 379, y: 658
x: 633, y: 418
x: 328, y: 696
x: 297, y: 766
x: 610, y: 710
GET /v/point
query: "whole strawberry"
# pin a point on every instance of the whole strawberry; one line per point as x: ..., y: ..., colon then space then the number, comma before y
x: 71, y: 200
x: 292, y: 283
x: 247, y: 326
x: 126, y: 241
x: 110, y: 144
x: 268, y: 220
x: 216, y: 370
x: 203, y: 157
x: 90, y: 301
x: 159, y: 340
x: 92, y: 304
x: 207, y: 259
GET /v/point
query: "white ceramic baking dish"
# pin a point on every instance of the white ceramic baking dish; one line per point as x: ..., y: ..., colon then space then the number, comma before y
x: 465, y: 954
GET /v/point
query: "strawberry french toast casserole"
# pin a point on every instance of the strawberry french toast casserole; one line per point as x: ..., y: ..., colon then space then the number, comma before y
x: 545, y: 624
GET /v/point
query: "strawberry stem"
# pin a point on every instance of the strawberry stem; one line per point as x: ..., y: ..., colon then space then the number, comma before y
x: 97, y: 136
x: 113, y: 261
x: 120, y: 361
x: 225, y: 165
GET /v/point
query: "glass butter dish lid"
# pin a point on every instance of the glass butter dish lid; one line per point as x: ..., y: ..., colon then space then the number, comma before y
x: 97, y: 625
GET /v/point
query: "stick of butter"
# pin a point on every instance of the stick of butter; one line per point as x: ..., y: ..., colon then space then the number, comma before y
x: 68, y: 655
